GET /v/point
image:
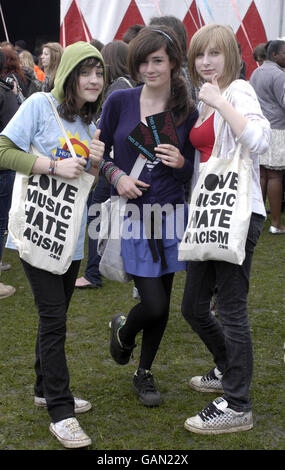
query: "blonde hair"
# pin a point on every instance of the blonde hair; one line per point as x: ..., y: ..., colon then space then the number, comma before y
x: 221, y: 37
x: 26, y: 59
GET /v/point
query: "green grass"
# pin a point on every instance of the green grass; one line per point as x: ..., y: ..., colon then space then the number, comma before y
x: 117, y: 420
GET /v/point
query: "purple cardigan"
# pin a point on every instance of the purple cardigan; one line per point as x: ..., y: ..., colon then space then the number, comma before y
x: 121, y: 113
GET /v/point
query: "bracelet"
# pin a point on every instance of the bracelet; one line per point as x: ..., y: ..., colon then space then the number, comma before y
x: 90, y: 165
x: 111, y: 172
x: 52, y: 167
x: 117, y: 177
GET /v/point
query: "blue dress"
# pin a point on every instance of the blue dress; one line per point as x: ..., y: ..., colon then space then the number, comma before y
x: 148, y: 249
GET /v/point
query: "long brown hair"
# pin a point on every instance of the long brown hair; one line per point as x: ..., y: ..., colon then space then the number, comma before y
x: 115, y: 57
x: 149, y: 40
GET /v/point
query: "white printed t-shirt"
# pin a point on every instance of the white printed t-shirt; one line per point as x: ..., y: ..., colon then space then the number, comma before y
x: 35, y: 123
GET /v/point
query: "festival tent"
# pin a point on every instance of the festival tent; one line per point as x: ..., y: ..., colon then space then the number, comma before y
x: 253, y: 22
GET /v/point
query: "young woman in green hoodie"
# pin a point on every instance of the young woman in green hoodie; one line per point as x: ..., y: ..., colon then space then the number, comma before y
x: 77, y: 94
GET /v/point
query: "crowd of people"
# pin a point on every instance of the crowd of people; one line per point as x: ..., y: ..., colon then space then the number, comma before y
x: 102, y: 92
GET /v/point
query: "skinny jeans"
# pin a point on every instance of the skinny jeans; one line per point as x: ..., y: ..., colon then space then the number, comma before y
x: 228, y: 337
x: 52, y: 295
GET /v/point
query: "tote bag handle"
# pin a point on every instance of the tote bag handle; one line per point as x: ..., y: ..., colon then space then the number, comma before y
x: 70, y: 146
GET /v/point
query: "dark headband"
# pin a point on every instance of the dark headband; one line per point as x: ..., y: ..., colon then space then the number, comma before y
x: 164, y: 34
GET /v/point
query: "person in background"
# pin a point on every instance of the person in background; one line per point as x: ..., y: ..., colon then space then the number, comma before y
x: 132, y: 32
x: 8, y: 107
x: 268, y: 80
x: 242, y: 74
x: 259, y: 53
x: 6, y: 44
x: 117, y: 75
x: 98, y: 44
x: 214, y: 64
x: 77, y: 94
x: 154, y: 58
x: 49, y: 60
x: 28, y: 67
x: 12, y: 70
x: 20, y: 46
x: 39, y: 73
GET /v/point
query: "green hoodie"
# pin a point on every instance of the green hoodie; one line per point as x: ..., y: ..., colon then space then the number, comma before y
x: 70, y: 58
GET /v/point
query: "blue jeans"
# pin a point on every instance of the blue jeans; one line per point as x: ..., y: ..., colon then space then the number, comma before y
x: 228, y: 340
x: 100, y: 194
x: 6, y: 189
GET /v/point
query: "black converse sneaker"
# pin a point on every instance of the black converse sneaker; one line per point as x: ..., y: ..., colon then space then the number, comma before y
x: 210, y: 382
x: 218, y: 418
x: 119, y: 351
x: 143, y: 385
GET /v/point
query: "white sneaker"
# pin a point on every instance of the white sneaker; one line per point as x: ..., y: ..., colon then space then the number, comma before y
x: 70, y: 434
x: 276, y: 230
x: 136, y: 294
x: 210, y: 382
x: 6, y: 291
x: 5, y: 266
x: 218, y: 418
x: 80, y: 406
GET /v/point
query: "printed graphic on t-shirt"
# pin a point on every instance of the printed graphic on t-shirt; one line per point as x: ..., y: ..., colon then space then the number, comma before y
x: 80, y: 147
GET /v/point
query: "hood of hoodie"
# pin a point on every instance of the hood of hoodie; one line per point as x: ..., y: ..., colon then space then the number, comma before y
x: 70, y: 58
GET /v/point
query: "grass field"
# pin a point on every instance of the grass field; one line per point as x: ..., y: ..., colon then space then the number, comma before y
x: 117, y: 421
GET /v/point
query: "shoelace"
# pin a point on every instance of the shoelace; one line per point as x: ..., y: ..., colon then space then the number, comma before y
x: 124, y: 346
x: 118, y: 338
x: 73, y: 426
x: 210, y: 376
x: 210, y: 411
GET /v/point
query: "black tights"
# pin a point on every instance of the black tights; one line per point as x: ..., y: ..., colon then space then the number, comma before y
x: 149, y: 316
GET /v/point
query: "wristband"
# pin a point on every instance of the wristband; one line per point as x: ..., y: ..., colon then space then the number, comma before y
x: 52, y: 167
x: 90, y: 165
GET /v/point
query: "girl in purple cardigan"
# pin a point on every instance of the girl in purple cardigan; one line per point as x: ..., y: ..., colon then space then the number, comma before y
x: 154, y: 59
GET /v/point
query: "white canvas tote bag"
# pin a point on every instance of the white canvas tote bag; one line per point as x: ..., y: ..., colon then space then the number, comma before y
x: 220, y: 209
